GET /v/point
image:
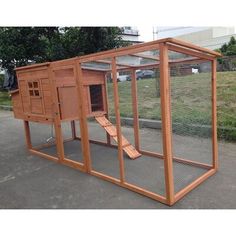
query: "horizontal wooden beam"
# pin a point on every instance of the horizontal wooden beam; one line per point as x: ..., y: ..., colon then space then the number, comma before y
x: 119, y: 52
x: 118, y: 64
x: 146, y: 57
x: 191, y: 52
x: 193, y: 46
x: 194, y: 184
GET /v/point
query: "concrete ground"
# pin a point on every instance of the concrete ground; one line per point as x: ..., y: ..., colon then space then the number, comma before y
x: 28, y: 181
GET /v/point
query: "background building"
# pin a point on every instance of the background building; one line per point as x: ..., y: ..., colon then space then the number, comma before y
x: 208, y: 37
x: 130, y: 34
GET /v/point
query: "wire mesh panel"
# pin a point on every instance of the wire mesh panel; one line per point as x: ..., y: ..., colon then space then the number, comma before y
x: 43, y: 137
x: 104, y: 159
x: 149, y: 109
x: 72, y: 146
x: 139, y: 102
x: 191, y: 110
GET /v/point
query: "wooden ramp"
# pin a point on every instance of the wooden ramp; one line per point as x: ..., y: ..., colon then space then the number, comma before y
x: 111, y: 130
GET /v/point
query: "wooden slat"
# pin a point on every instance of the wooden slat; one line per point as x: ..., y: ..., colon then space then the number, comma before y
x: 111, y: 130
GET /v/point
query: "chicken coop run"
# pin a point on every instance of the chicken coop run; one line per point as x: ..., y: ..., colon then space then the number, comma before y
x: 164, y: 162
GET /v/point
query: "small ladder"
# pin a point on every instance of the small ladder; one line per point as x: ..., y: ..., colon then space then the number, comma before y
x: 111, y: 130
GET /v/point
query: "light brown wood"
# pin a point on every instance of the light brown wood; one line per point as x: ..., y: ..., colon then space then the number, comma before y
x: 56, y: 116
x: 188, y: 51
x: 73, y: 129
x: 111, y: 130
x: 193, y: 185
x: 83, y: 121
x: 27, y: 134
x: 135, y: 109
x: 118, y: 122
x: 193, y: 46
x: 214, y: 117
x: 145, y: 56
x: 166, y: 122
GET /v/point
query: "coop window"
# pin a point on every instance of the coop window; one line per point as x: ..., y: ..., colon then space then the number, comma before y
x: 33, y: 88
x: 96, y: 97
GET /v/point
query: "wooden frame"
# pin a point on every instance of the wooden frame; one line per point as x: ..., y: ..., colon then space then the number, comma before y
x: 162, y: 62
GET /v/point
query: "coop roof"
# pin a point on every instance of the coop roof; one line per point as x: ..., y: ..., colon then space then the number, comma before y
x: 140, y: 56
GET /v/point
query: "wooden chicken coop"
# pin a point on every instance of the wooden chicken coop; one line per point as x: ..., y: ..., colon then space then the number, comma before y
x: 76, y: 89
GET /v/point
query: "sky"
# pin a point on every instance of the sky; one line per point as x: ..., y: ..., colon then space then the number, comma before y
x: 146, y: 32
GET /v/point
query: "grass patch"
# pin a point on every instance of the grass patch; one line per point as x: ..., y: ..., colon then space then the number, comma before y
x: 190, y: 100
x: 5, y: 99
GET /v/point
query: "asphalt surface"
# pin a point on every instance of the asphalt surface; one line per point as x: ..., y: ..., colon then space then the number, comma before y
x: 28, y: 181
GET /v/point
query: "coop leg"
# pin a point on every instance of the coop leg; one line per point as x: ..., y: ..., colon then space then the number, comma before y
x: 27, y: 134
x: 73, y: 130
x: 59, y: 141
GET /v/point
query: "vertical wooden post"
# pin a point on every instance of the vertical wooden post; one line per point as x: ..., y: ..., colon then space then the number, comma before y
x: 27, y: 134
x: 166, y: 122
x: 82, y: 118
x: 135, y: 109
x: 214, y: 116
x: 107, y: 106
x: 118, y: 124
x: 56, y: 117
x: 73, y: 129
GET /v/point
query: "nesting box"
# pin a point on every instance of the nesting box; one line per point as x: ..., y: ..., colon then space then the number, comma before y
x: 33, y: 100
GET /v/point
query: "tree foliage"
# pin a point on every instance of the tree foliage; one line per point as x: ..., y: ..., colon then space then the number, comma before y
x: 24, y: 45
x: 229, y: 49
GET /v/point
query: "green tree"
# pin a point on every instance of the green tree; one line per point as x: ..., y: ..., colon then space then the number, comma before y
x: 229, y: 49
x: 20, y: 46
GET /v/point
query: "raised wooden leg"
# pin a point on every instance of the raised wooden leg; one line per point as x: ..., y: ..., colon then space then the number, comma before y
x: 27, y: 134
x: 73, y: 129
x: 59, y: 141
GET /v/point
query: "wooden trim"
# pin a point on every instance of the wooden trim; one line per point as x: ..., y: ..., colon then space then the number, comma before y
x: 191, y: 60
x: 107, y: 107
x: 45, y: 145
x: 83, y: 118
x: 45, y: 64
x: 129, y: 186
x: 145, y: 66
x: 118, y: 122
x: 145, y: 57
x: 193, y: 185
x: 214, y: 116
x: 74, y: 164
x: 73, y: 129
x: 144, y: 192
x: 193, y: 46
x: 105, y: 177
x: 133, y: 49
x: 44, y: 155
x: 57, y: 116
x: 109, y: 62
x: 177, y: 159
x: 119, y: 52
x: 187, y: 51
x: 135, y: 109
x: 166, y: 123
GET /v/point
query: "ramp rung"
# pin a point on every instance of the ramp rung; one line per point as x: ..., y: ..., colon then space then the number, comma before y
x: 111, y: 130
